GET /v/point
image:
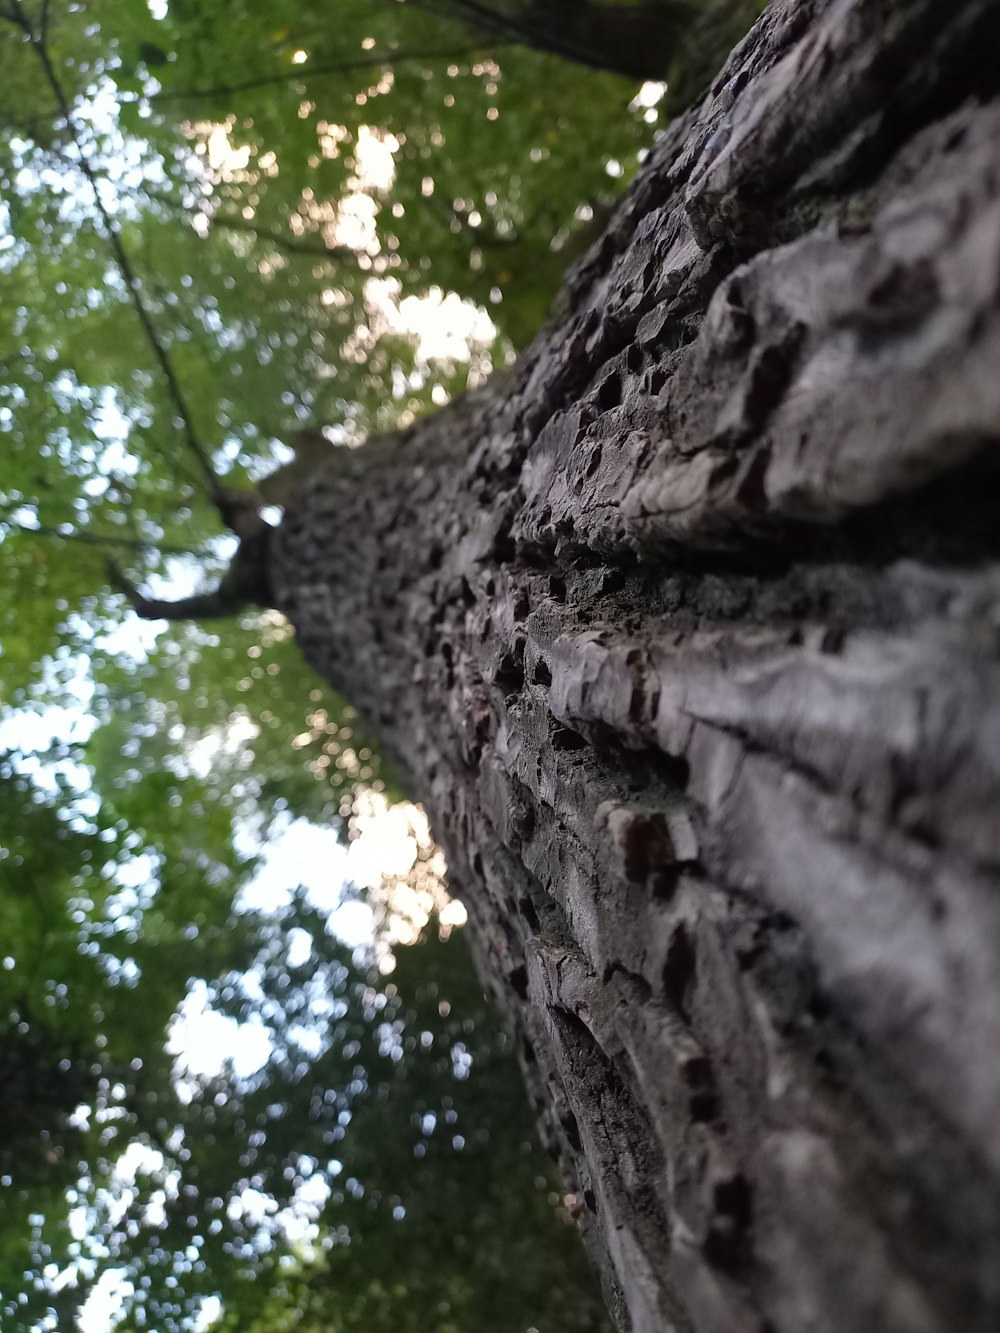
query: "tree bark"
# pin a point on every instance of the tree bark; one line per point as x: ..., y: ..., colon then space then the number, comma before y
x: 636, y: 40
x: 686, y: 631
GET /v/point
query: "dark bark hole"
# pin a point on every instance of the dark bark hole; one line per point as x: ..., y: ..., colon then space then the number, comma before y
x: 833, y: 640
x: 679, y: 971
x: 434, y: 557
x: 557, y: 588
x: 698, y: 1074
x: 781, y: 923
x: 504, y: 547
x: 751, y: 491
x: 541, y: 674
x: 771, y: 375
x: 905, y: 293
x: 725, y: 1244
x: 613, y: 581
x: 519, y: 981
x: 564, y: 738
x: 703, y: 1107
x: 527, y: 909
x: 663, y: 883
x: 674, y: 770
x: 527, y: 1052
x: 590, y: 1201
x: 655, y: 380
x: 571, y: 1130
x: 609, y: 395
x: 509, y: 675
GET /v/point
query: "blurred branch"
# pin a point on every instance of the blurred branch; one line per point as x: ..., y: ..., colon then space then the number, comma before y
x: 232, y: 222
x: 98, y: 539
x: 370, y: 60
x: 17, y: 16
x: 293, y: 245
x: 243, y: 584
x: 29, y: 123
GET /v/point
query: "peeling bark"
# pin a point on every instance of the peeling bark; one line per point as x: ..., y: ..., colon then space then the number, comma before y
x: 685, y: 631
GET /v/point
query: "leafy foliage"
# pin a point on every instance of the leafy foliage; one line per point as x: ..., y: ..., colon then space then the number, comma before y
x: 305, y: 207
x: 385, y: 1112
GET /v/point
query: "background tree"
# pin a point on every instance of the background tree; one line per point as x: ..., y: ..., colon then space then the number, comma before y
x: 683, y: 41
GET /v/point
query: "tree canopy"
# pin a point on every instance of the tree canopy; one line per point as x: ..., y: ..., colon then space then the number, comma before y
x: 221, y: 226
x: 337, y: 225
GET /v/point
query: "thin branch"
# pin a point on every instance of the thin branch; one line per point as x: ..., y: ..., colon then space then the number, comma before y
x: 233, y: 222
x: 99, y: 539
x: 245, y: 582
x: 29, y: 123
x: 370, y: 60
x: 199, y: 606
x: 291, y: 244
x: 124, y: 263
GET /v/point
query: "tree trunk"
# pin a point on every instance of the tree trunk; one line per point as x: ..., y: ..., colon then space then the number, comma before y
x: 686, y: 632
x: 637, y: 40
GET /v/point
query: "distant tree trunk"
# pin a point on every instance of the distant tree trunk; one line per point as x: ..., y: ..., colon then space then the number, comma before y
x: 686, y: 632
x: 683, y: 41
x: 635, y: 39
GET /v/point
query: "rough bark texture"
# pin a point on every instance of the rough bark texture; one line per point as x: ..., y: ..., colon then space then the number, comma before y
x: 686, y: 633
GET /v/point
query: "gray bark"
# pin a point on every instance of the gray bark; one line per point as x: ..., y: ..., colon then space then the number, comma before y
x: 686, y: 633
